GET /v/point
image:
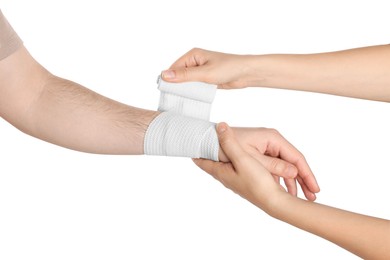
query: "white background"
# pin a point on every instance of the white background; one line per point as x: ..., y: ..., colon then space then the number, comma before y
x: 60, y: 204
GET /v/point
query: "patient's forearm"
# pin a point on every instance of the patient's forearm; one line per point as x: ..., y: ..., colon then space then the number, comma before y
x: 65, y: 113
x: 70, y: 115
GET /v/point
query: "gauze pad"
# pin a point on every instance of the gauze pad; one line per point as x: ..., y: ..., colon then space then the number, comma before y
x: 183, y: 129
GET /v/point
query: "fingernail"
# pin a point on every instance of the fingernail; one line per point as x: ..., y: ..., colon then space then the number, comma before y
x: 168, y: 74
x: 221, y: 127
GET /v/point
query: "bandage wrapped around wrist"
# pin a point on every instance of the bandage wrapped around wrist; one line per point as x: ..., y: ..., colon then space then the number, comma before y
x: 183, y: 128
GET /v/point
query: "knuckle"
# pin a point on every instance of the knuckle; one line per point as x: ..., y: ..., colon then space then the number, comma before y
x: 300, y: 158
x: 277, y: 166
x: 185, y: 73
x: 196, y: 49
x: 273, y: 131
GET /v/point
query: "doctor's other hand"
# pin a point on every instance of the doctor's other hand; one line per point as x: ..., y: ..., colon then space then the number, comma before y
x: 278, y: 156
x: 244, y: 175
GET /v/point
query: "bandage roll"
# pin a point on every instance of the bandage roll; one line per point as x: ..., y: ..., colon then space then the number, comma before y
x: 191, y: 99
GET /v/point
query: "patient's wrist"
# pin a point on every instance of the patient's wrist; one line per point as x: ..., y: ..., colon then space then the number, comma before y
x: 171, y: 134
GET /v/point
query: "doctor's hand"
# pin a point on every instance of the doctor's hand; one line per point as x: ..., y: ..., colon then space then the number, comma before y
x: 228, y: 71
x: 278, y: 156
x: 244, y: 174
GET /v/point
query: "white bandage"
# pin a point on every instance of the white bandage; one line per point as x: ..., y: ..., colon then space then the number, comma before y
x: 170, y: 134
x: 183, y: 128
x: 192, y: 99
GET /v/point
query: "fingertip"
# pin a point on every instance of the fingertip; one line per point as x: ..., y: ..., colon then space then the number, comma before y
x: 195, y: 160
x: 317, y: 187
x: 198, y: 161
x: 222, y: 127
x: 309, y: 194
x: 168, y: 74
x: 312, y: 196
x: 309, y: 178
x: 314, y: 187
x: 292, y: 193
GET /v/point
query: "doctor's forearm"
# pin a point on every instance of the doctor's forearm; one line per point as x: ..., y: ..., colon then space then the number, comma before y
x: 361, y: 73
x: 365, y: 236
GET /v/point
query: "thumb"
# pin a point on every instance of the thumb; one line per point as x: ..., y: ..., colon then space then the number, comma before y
x: 183, y: 74
x: 229, y: 143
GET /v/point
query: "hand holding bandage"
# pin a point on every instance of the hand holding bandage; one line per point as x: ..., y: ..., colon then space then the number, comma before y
x: 183, y: 128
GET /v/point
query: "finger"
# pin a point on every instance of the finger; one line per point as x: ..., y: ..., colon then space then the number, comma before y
x: 208, y: 166
x: 277, y: 166
x: 307, y: 175
x: 291, y: 186
x: 192, y: 58
x: 223, y: 172
x: 187, y: 68
x: 184, y: 74
x: 289, y: 153
x: 229, y: 144
x: 308, y: 194
x: 276, y: 178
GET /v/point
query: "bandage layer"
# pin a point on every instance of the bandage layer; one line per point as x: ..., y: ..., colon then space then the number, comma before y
x: 192, y: 99
x: 170, y: 134
x: 183, y: 129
